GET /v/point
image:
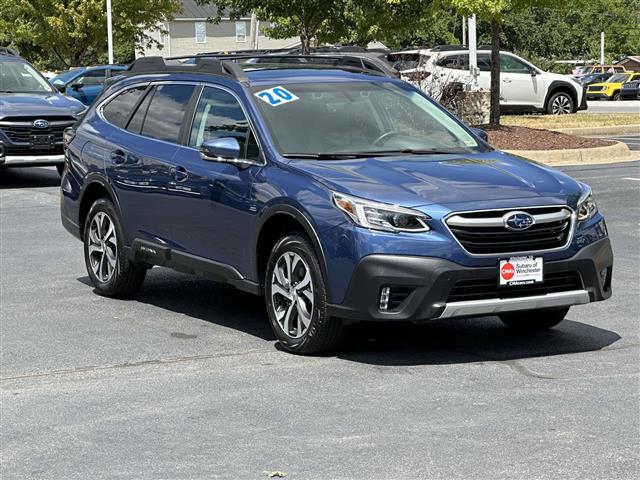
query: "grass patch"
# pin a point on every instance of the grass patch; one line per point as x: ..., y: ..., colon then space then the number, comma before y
x: 574, y: 120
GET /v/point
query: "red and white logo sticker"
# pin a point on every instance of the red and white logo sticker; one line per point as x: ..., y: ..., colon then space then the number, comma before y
x: 507, y: 271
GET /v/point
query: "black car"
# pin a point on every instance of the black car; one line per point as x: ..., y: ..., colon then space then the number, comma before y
x: 587, y: 80
x: 33, y: 115
x: 630, y: 90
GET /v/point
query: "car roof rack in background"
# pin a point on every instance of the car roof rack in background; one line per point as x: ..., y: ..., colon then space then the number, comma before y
x: 9, y: 51
x: 211, y: 66
x: 359, y: 62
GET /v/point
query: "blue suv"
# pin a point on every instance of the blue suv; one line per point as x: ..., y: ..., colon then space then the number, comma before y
x: 85, y: 83
x: 338, y: 193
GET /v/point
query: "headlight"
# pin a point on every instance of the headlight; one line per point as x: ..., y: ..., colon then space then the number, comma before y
x: 587, y: 207
x: 381, y: 216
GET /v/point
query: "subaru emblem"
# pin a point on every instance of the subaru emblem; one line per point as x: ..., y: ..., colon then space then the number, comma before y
x: 41, y: 123
x: 518, y: 221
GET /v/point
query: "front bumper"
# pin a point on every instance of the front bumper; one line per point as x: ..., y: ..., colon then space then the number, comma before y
x: 431, y: 280
x: 597, y: 96
x: 583, y: 101
x: 31, y: 160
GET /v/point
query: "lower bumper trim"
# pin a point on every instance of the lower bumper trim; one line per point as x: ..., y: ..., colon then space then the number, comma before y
x: 500, y: 305
x: 31, y: 160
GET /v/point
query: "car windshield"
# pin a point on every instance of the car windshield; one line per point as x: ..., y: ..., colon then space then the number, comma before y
x: 618, y: 78
x: 20, y: 77
x: 64, y: 77
x: 321, y: 120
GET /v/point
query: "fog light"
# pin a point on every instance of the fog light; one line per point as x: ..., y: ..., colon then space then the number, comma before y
x: 384, y: 298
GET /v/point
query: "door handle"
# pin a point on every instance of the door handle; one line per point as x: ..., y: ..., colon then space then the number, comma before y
x: 118, y: 157
x: 506, y: 80
x: 180, y: 173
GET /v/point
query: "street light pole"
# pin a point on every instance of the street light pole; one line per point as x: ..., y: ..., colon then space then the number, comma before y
x: 473, y: 53
x: 601, y: 48
x: 109, y: 32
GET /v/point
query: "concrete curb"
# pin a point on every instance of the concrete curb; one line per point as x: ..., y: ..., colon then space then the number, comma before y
x: 604, y: 130
x: 619, y: 152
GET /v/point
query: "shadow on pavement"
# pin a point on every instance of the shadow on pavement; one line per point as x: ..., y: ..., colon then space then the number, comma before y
x: 389, y: 344
x: 29, y: 177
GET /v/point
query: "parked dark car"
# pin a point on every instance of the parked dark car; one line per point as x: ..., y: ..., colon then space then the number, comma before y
x: 85, y: 83
x: 630, y: 90
x: 339, y: 194
x: 33, y: 115
x: 590, y: 78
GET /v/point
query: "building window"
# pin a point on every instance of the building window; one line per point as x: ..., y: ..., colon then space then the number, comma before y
x: 201, y: 32
x: 241, y: 31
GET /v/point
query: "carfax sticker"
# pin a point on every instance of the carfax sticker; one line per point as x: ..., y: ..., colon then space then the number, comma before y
x: 276, y: 96
x: 520, y: 271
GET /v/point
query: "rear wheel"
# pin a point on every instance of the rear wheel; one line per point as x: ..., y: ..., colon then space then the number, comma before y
x: 296, y: 298
x: 560, y: 103
x: 110, y: 271
x: 532, y: 320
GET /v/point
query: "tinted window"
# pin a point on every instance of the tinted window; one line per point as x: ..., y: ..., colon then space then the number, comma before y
x: 94, y: 77
x: 165, y: 115
x: 117, y: 111
x: 511, y: 64
x: 484, y: 62
x: 219, y: 115
x: 457, y: 62
x: 135, y: 124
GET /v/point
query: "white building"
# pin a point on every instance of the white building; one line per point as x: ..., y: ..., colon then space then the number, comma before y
x: 190, y: 33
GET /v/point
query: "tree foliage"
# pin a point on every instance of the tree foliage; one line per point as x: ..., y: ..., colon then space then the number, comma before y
x: 74, y: 32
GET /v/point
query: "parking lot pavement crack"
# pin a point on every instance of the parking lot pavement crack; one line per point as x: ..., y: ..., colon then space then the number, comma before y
x: 522, y: 370
x: 142, y: 363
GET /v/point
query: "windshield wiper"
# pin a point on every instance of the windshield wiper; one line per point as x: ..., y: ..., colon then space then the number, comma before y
x: 413, y: 151
x: 325, y: 156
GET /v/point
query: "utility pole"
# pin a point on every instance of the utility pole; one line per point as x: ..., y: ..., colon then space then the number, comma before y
x: 252, y: 34
x: 473, y: 53
x: 109, y: 33
x: 601, y: 48
x: 464, y: 30
x: 257, y: 45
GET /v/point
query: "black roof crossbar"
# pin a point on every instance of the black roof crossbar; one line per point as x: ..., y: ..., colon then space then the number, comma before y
x: 9, y: 51
x: 210, y: 66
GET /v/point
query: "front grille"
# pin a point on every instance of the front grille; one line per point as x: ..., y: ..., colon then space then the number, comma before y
x: 23, y: 134
x: 487, y: 288
x: 630, y: 85
x: 485, y: 233
x: 595, y: 88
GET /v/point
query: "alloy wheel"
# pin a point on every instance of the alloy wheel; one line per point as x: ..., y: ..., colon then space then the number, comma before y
x: 561, y: 105
x: 103, y: 247
x: 292, y: 294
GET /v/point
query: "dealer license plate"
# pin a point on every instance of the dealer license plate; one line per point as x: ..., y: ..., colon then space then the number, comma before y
x: 42, y: 141
x: 520, y: 271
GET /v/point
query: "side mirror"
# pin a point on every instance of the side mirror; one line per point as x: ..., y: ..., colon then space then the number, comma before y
x: 533, y: 72
x: 76, y: 86
x: 224, y: 150
x: 60, y: 87
x: 478, y: 132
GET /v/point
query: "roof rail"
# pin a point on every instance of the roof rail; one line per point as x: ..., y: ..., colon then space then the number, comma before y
x: 347, y: 62
x: 211, y: 66
x: 9, y: 51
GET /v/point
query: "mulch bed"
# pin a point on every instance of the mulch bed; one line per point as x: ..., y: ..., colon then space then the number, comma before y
x: 523, y: 138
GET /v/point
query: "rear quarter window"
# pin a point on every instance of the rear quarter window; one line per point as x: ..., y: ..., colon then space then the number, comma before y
x: 166, y: 112
x: 118, y: 110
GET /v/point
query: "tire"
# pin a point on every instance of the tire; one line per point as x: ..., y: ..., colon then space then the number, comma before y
x: 295, y: 291
x: 560, y: 103
x: 112, y: 275
x: 532, y: 320
x: 60, y: 168
x: 616, y: 97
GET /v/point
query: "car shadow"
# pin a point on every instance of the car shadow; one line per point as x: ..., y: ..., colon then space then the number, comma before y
x: 29, y: 177
x: 436, y: 342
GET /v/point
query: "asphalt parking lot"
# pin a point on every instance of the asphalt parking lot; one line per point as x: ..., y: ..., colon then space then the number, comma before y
x: 185, y: 381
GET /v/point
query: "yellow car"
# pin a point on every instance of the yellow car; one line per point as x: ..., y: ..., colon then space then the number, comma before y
x: 610, y: 90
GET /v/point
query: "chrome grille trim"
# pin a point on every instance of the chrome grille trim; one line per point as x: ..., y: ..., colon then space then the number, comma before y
x: 473, y: 219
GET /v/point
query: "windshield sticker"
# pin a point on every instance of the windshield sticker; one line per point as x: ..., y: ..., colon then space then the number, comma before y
x: 276, y: 96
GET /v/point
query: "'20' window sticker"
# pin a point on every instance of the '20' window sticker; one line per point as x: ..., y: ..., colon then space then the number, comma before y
x: 276, y: 96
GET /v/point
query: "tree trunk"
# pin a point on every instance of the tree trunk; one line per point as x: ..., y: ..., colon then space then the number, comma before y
x: 305, y: 41
x: 494, y: 114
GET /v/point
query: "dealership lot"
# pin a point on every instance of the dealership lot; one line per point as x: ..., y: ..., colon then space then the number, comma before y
x: 185, y: 380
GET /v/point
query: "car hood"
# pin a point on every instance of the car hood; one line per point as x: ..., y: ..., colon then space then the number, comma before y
x: 605, y: 84
x: 38, y: 104
x: 414, y: 181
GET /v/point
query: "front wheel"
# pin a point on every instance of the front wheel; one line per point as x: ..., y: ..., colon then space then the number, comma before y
x: 560, y: 103
x: 296, y: 298
x: 532, y: 320
x: 110, y: 271
x: 616, y: 97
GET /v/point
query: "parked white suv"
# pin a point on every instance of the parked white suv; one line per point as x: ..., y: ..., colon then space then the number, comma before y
x: 524, y: 87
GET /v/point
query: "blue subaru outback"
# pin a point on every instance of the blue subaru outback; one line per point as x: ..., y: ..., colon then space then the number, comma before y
x: 336, y: 192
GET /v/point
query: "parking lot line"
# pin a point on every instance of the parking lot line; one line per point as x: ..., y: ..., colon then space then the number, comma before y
x: 629, y: 178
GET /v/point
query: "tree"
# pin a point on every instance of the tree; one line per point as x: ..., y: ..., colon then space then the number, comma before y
x: 74, y: 32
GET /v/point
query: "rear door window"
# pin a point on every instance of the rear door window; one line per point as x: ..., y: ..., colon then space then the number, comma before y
x: 166, y: 113
x: 509, y: 64
x: 118, y: 110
